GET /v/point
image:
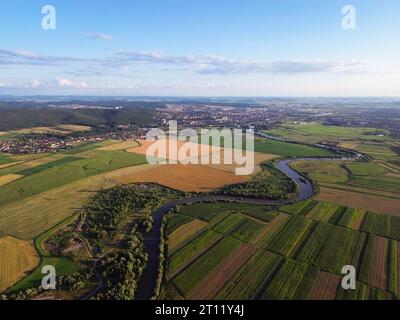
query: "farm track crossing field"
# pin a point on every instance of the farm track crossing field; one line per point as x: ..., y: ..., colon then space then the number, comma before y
x: 16, y: 258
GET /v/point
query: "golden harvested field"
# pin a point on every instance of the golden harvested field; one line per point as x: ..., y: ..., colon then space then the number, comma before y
x: 189, y: 178
x: 16, y: 258
x: 348, y: 144
x: 62, y: 129
x: 39, y: 130
x: 120, y: 146
x: 2, y: 133
x: 145, y: 146
x: 203, y: 154
x: 74, y: 127
x: 212, y: 157
x: 184, y: 232
x: 359, y: 200
x: 9, y: 178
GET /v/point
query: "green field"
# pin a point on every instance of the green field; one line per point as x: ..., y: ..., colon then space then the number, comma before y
x: 187, y: 252
x: 4, y: 159
x: 288, y: 150
x: 289, y: 258
x: 322, y: 171
x: 57, y: 163
x: 313, y: 132
x: 250, y: 280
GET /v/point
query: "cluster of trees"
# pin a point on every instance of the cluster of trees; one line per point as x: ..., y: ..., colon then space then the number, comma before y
x: 121, y: 272
x: 109, y: 208
x: 76, y: 281
x: 105, y: 212
x: 23, y: 294
x: 268, y: 184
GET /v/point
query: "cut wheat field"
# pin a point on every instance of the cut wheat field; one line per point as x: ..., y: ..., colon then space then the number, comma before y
x: 16, y: 258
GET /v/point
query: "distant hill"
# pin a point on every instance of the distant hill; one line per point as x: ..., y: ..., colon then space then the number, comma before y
x: 17, y: 118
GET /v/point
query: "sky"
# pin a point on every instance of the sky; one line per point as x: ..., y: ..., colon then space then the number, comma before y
x: 201, y: 48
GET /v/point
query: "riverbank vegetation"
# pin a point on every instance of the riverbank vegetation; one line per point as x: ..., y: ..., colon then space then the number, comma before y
x: 268, y: 184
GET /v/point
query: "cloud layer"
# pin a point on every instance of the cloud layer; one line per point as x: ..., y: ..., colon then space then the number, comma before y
x: 199, y: 64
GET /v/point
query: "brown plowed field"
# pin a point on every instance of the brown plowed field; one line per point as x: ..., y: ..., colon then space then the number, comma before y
x: 359, y: 200
x: 378, y: 276
x: 214, y: 282
x: 326, y: 286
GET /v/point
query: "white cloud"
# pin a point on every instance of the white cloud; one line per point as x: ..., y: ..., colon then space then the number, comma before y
x: 65, y: 83
x: 34, y: 84
x: 98, y: 36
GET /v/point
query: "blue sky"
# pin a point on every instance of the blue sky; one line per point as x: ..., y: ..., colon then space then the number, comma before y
x: 201, y: 48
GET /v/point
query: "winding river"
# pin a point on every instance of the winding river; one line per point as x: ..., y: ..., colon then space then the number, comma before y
x: 148, y: 280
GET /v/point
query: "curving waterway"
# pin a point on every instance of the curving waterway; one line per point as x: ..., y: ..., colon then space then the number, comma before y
x: 305, y: 188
